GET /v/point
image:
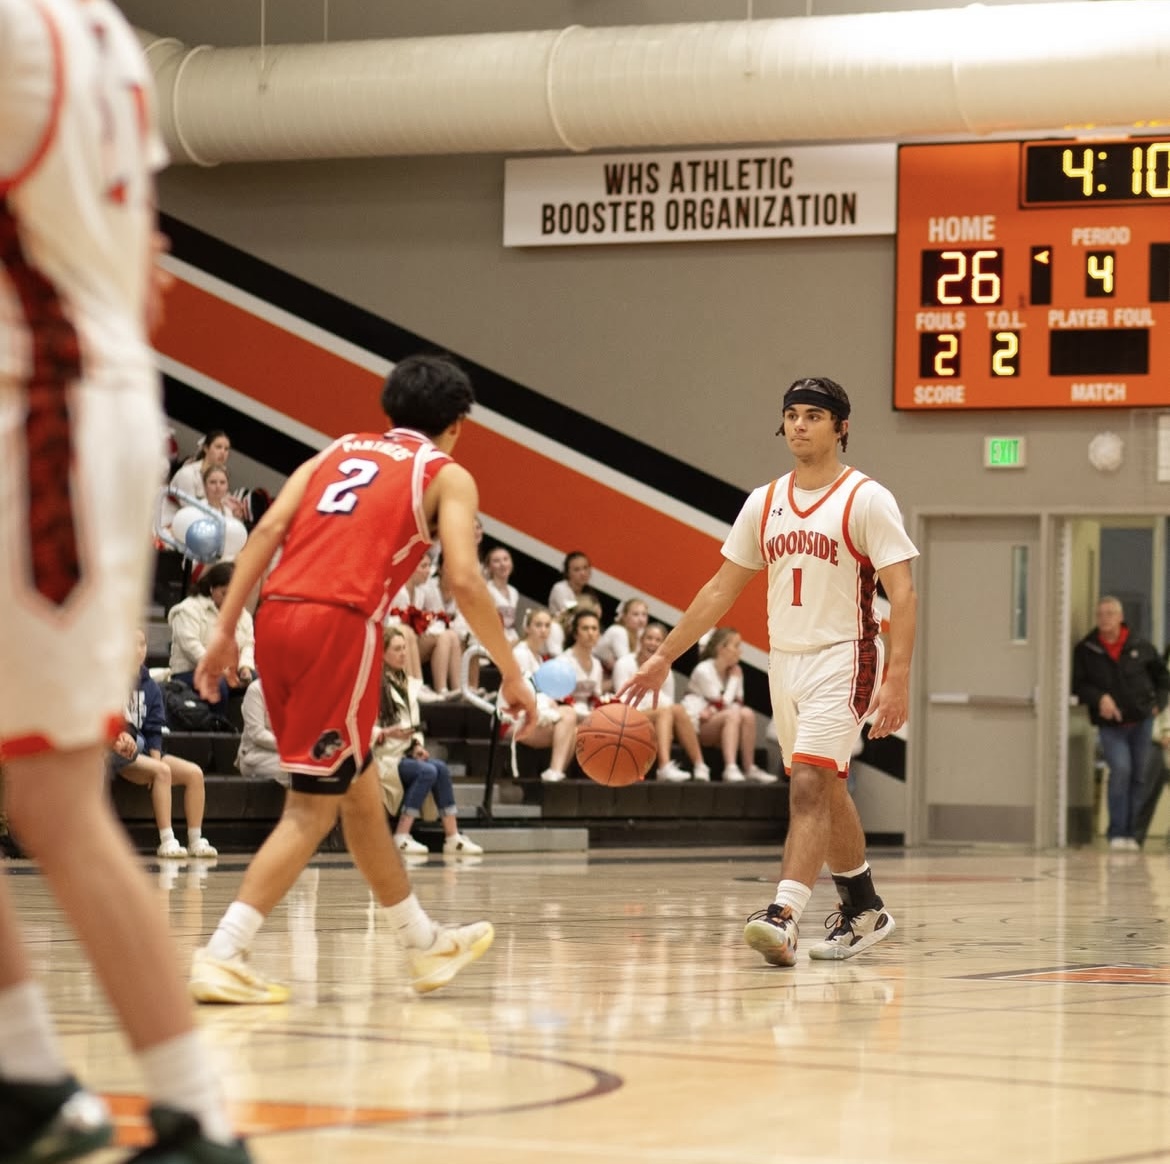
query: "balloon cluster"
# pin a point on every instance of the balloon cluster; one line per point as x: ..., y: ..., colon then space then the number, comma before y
x: 206, y: 538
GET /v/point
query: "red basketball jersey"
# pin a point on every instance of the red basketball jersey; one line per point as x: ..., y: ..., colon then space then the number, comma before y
x: 360, y: 529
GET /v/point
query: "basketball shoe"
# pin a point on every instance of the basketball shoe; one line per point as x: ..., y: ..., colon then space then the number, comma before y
x: 180, y: 1140
x: 45, y: 1123
x: 850, y: 934
x: 773, y: 933
x: 453, y: 948
x: 231, y: 980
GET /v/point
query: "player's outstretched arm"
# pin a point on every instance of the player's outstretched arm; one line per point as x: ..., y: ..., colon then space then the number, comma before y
x: 893, y: 702
x: 709, y: 605
x: 222, y: 655
x: 455, y: 497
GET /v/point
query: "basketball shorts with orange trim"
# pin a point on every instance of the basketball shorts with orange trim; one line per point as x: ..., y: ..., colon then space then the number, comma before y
x: 321, y: 669
x: 66, y: 666
x: 821, y: 698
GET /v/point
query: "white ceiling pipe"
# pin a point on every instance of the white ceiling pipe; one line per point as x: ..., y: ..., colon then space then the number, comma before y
x: 978, y: 69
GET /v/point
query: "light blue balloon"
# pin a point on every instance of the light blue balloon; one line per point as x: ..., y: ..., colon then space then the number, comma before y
x: 556, y: 678
x: 204, y: 540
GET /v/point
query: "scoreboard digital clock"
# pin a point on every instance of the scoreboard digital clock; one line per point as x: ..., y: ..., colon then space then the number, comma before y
x: 1033, y: 274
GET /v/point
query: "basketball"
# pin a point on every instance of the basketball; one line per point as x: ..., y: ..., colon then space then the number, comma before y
x: 616, y: 745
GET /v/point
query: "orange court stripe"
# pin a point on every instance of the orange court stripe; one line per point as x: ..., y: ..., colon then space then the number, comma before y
x: 649, y: 550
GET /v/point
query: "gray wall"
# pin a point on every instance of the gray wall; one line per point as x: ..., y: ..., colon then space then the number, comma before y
x: 684, y: 346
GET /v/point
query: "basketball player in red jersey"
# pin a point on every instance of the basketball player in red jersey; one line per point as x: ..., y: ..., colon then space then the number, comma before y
x: 351, y: 526
x: 825, y: 533
x: 81, y: 428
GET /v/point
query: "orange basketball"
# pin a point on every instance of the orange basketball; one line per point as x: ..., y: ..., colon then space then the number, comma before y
x: 616, y: 745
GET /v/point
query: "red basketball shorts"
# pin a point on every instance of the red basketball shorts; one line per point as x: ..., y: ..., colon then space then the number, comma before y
x: 321, y: 669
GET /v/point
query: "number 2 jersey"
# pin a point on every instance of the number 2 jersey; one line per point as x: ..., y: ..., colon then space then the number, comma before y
x: 360, y: 530
x: 822, y: 549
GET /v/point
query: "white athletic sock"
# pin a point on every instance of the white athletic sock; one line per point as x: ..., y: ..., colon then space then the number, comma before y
x: 28, y: 1051
x: 179, y: 1073
x: 795, y: 895
x: 165, y: 835
x: 193, y: 835
x: 410, y: 923
x: 236, y: 931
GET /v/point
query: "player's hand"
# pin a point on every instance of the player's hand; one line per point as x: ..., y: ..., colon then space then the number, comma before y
x: 519, y: 702
x: 893, y: 704
x: 647, y: 680
x: 220, y: 661
x: 126, y: 745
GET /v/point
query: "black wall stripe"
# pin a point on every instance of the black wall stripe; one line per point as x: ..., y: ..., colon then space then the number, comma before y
x: 575, y: 430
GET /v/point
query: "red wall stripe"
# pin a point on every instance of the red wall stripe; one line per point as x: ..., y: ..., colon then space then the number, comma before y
x: 654, y: 553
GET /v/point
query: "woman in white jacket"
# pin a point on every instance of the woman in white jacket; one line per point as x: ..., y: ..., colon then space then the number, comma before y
x: 192, y: 621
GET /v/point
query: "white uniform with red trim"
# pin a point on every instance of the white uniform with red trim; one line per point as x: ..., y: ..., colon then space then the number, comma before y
x: 822, y: 549
x: 77, y: 382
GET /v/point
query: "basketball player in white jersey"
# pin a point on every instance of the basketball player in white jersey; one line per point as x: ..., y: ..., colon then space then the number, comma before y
x: 80, y: 458
x: 825, y: 533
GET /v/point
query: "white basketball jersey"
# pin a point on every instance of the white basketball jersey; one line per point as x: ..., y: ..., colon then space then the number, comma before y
x: 76, y: 180
x: 822, y: 550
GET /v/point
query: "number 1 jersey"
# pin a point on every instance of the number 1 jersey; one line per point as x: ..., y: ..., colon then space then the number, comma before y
x: 822, y: 549
x: 360, y: 529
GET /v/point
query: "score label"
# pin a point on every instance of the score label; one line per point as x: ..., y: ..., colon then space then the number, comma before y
x: 1033, y: 275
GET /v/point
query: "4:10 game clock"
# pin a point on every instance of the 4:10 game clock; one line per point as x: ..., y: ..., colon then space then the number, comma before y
x: 1033, y: 275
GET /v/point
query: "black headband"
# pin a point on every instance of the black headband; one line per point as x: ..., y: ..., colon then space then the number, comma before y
x: 817, y: 398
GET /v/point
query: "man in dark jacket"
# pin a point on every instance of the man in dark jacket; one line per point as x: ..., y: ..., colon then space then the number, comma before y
x: 1123, y: 682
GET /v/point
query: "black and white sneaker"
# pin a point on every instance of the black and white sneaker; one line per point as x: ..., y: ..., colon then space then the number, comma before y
x: 850, y: 935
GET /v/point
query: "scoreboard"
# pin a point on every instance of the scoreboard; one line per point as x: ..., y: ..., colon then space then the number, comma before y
x: 1033, y: 274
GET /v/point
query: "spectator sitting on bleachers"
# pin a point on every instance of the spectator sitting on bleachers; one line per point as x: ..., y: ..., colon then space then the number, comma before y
x: 419, y: 605
x: 583, y: 633
x: 504, y: 594
x: 212, y: 450
x: 258, y: 755
x: 400, y: 747
x: 622, y: 638
x: 192, y: 621
x: 669, y: 718
x: 714, y: 701
x: 556, y: 722
x: 574, y: 583
x: 137, y: 757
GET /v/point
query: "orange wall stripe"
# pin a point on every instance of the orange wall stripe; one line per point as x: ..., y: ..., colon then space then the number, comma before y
x: 652, y: 552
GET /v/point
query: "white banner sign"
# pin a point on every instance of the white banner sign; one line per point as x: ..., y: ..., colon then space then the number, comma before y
x: 790, y: 192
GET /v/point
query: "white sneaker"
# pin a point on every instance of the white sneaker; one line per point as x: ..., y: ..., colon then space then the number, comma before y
x: 202, y: 848
x: 171, y: 850
x: 848, y: 936
x: 733, y: 774
x: 453, y: 948
x: 407, y: 844
x: 231, y: 980
x: 552, y: 776
x: 758, y: 776
x: 461, y: 844
x: 672, y: 773
x: 429, y: 695
x: 701, y: 773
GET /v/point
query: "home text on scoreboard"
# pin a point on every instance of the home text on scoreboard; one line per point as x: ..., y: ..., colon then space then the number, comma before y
x: 1033, y: 274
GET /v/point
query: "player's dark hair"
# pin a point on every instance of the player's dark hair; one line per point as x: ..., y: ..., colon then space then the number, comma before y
x: 822, y: 385
x: 570, y: 558
x: 427, y: 394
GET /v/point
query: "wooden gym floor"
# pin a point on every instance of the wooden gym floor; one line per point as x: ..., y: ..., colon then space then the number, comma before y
x: 1021, y: 1012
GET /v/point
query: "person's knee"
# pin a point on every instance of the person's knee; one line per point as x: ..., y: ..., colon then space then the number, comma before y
x: 810, y: 788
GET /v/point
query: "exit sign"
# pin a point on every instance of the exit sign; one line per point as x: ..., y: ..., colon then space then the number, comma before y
x: 1004, y: 452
